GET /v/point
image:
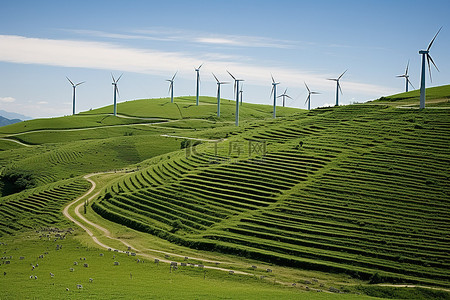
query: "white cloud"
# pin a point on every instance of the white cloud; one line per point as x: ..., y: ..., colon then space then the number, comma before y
x: 108, y: 56
x: 42, y: 102
x: 7, y: 99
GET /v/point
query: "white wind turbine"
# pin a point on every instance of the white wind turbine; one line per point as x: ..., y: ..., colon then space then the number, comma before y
x: 426, y: 53
x: 407, y: 77
x: 198, y: 81
x: 219, y: 83
x: 284, y: 95
x: 274, y: 92
x: 74, y: 87
x: 171, y: 87
x: 338, y: 86
x: 308, y: 99
x: 116, y: 91
x: 236, y: 89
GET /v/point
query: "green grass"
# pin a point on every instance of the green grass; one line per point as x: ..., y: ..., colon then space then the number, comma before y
x: 357, y: 192
x: 435, y: 96
x: 147, y: 280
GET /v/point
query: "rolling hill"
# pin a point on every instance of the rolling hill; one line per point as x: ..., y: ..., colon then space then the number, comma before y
x: 360, y: 190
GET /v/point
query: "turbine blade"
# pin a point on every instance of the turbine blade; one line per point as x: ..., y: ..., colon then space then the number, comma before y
x: 334, y: 79
x: 80, y: 83
x: 216, y: 78
x: 117, y: 89
x: 280, y: 96
x: 199, y: 67
x: 285, y: 91
x: 307, y: 99
x: 342, y: 74
x: 339, y: 86
x: 69, y: 80
x: 174, y: 75
x: 410, y: 83
x: 288, y: 96
x: 407, y: 66
x: 271, y: 92
x: 231, y: 75
x: 273, y: 80
x: 113, y: 78
x: 432, y: 41
x: 433, y: 62
x: 119, y: 77
x: 315, y: 93
x: 307, y: 88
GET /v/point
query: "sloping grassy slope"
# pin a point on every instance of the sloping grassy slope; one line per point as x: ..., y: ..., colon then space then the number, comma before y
x: 39, y: 207
x: 435, y: 97
x: 366, y: 194
x: 185, y: 108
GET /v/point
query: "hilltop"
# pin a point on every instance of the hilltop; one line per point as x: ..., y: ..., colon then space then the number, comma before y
x: 352, y: 194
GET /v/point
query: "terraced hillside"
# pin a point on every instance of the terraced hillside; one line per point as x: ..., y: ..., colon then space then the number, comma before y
x: 361, y: 190
x: 40, y: 207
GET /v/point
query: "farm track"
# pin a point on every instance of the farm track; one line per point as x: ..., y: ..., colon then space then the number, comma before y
x: 106, y: 233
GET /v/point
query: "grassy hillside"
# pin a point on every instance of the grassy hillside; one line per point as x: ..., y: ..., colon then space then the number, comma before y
x: 360, y: 190
x: 435, y: 97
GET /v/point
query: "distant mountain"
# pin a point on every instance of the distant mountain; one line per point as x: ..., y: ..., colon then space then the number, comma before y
x: 4, y: 121
x: 11, y: 116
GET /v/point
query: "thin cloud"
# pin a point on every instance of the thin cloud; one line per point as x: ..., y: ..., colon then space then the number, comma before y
x: 108, y: 56
x: 172, y: 35
x: 7, y: 99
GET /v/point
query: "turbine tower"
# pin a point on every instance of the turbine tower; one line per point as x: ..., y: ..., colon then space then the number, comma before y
x: 116, y: 91
x: 284, y: 95
x: 240, y: 93
x: 74, y: 87
x: 274, y: 92
x: 171, y: 87
x: 198, y: 80
x: 308, y: 99
x: 338, y: 87
x: 218, y: 94
x: 406, y: 77
x: 426, y: 53
x: 236, y: 89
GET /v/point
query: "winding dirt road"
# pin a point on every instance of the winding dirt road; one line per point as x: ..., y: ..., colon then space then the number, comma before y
x: 107, y: 233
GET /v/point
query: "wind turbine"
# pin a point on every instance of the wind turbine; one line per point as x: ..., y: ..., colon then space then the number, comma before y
x: 338, y: 87
x: 198, y: 79
x: 422, y: 77
x: 218, y: 94
x: 116, y: 90
x: 236, y: 89
x: 171, y: 87
x: 74, y: 87
x: 406, y: 77
x: 308, y: 99
x: 274, y: 92
x: 284, y: 95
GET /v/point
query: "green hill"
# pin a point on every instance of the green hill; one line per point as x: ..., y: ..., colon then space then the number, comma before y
x: 359, y: 190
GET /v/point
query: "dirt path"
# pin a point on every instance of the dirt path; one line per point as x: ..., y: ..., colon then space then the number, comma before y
x: 191, y: 138
x: 106, y: 232
x: 16, y: 141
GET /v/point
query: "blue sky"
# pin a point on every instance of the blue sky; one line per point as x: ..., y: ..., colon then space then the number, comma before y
x: 41, y: 42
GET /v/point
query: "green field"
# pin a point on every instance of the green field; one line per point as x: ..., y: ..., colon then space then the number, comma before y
x: 356, y: 196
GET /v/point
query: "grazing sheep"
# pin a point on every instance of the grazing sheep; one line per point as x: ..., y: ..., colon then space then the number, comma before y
x: 85, y: 265
x: 75, y: 263
x: 67, y: 289
x: 31, y: 276
x: 269, y: 270
x: 35, y: 277
x: 101, y: 254
x: 51, y: 274
x: 231, y: 272
x: 156, y: 260
x: 72, y: 269
x: 254, y: 267
x: 79, y: 286
x: 116, y: 263
x: 91, y: 280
